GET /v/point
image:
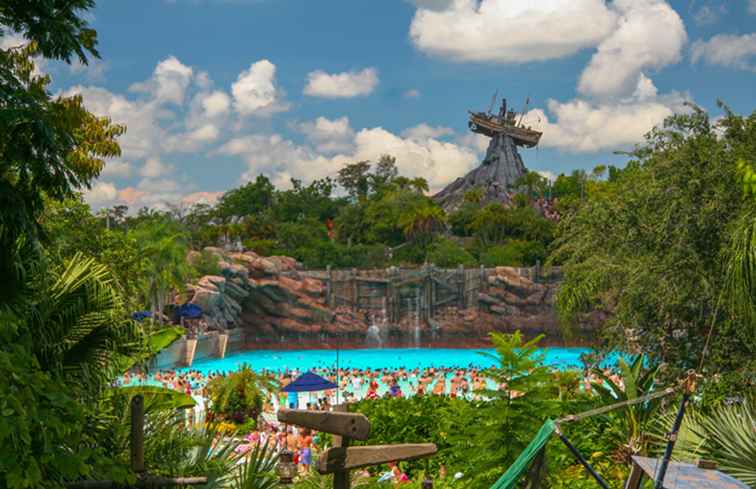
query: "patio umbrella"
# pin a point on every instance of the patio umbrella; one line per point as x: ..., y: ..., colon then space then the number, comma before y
x: 307, y: 382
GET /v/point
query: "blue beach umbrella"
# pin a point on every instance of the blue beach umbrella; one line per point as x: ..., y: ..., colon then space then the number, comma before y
x: 190, y: 311
x: 141, y: 315
x: 309, y: 382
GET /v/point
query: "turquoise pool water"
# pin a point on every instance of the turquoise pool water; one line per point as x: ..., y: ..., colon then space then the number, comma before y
x: 393, y: 358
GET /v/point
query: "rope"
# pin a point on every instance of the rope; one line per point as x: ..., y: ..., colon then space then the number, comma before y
x: 688, y: 384
x: 605, y: 409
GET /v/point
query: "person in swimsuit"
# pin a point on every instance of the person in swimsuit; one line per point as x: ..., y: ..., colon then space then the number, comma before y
x: 305, y: 450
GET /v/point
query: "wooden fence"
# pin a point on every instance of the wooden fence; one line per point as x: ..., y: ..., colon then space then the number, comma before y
x: 392, y: 294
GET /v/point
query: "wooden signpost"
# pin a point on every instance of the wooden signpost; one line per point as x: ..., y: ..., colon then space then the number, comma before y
x: 342, y: 458
x: 144, y: 480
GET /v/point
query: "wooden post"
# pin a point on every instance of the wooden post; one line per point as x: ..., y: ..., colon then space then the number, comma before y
x: 137, y: 434
x: 461, y: 285
x: 342, y: 458
x: 537, y: 273
x: 355, y: 296
x: 635, y: 478
x: 341, y: 478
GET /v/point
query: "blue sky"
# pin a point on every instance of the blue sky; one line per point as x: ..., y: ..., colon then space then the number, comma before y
x: 215, y: 92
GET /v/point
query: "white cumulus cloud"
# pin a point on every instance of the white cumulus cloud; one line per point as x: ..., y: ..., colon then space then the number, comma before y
x: 169, y: 81
x: 328, y: 135
x: 584, y: 126
x: 216, y: 103
x: 341, y: 85
x: 101, y: 193
x: 116, y: 169
x: 153, y: 167
x: 439, y: 162
x: 727, y: 50
x: 255, y: 91
x: 649, y: 35
x: 510, y: 31
x: 424, y: 131
x: 144, y: 132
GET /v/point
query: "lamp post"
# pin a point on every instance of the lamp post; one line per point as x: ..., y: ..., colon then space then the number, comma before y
x: 286, y: 470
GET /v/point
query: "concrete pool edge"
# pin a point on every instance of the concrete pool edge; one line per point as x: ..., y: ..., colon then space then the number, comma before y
x: 186, y: 351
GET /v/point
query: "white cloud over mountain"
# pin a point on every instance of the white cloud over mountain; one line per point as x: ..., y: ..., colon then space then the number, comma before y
x: 649, y: 35
x: 328, y: 136
x: 498, y: 31
x: 423, y: 131
x: 179, y: 110
x: 619, y: 103
x: 341, y: 85
x: 281, y: 159
x: 584, y: 126
x: 729, y: 51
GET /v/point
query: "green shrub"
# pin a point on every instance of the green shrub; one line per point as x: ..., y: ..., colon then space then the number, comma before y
x: 447, y: 253
x: 206, y: 263
x: 515, y: 253
x: 236, y: 398
x: 263, y: 247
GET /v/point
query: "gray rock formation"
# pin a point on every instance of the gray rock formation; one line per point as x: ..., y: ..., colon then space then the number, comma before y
x: 496, y: 175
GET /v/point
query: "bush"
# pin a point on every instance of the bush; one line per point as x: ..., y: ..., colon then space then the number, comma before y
x: 426, y: 419
x: 363, y: 256
x: 515, y: 253
x: 446, y: 254
x: 236, y: 398
x: 206, y: 263
x: 263, y: 247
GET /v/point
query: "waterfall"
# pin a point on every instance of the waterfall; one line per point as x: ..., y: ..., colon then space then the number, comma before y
x: 375, y: 332
x: 417, y: 323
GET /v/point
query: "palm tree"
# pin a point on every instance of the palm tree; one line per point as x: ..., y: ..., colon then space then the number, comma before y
x: 165, y: 249
x: 80, y: 325
x: 724, y: 435
x: 740, y: 271
x: 422, y: 223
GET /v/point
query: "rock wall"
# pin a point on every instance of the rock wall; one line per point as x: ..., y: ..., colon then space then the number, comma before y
x: 273, y: 302
x: 269, y: 300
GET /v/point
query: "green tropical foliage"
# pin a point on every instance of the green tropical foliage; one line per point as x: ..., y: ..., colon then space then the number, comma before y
x: 258, y: 469
x: 664, y: 246
x: 634, y: 380
x: 237, y: 397
x: 723, y: 434
x: 505, y: 424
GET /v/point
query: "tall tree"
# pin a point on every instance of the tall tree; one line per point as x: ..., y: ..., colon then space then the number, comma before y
x: 49, y: 146
x: 355, y: 179
x: 654, y: 251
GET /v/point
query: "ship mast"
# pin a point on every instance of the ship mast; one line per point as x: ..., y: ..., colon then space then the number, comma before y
x: 493, y: 100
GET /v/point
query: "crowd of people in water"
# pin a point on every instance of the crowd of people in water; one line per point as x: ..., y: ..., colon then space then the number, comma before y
x: 354, y: 385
